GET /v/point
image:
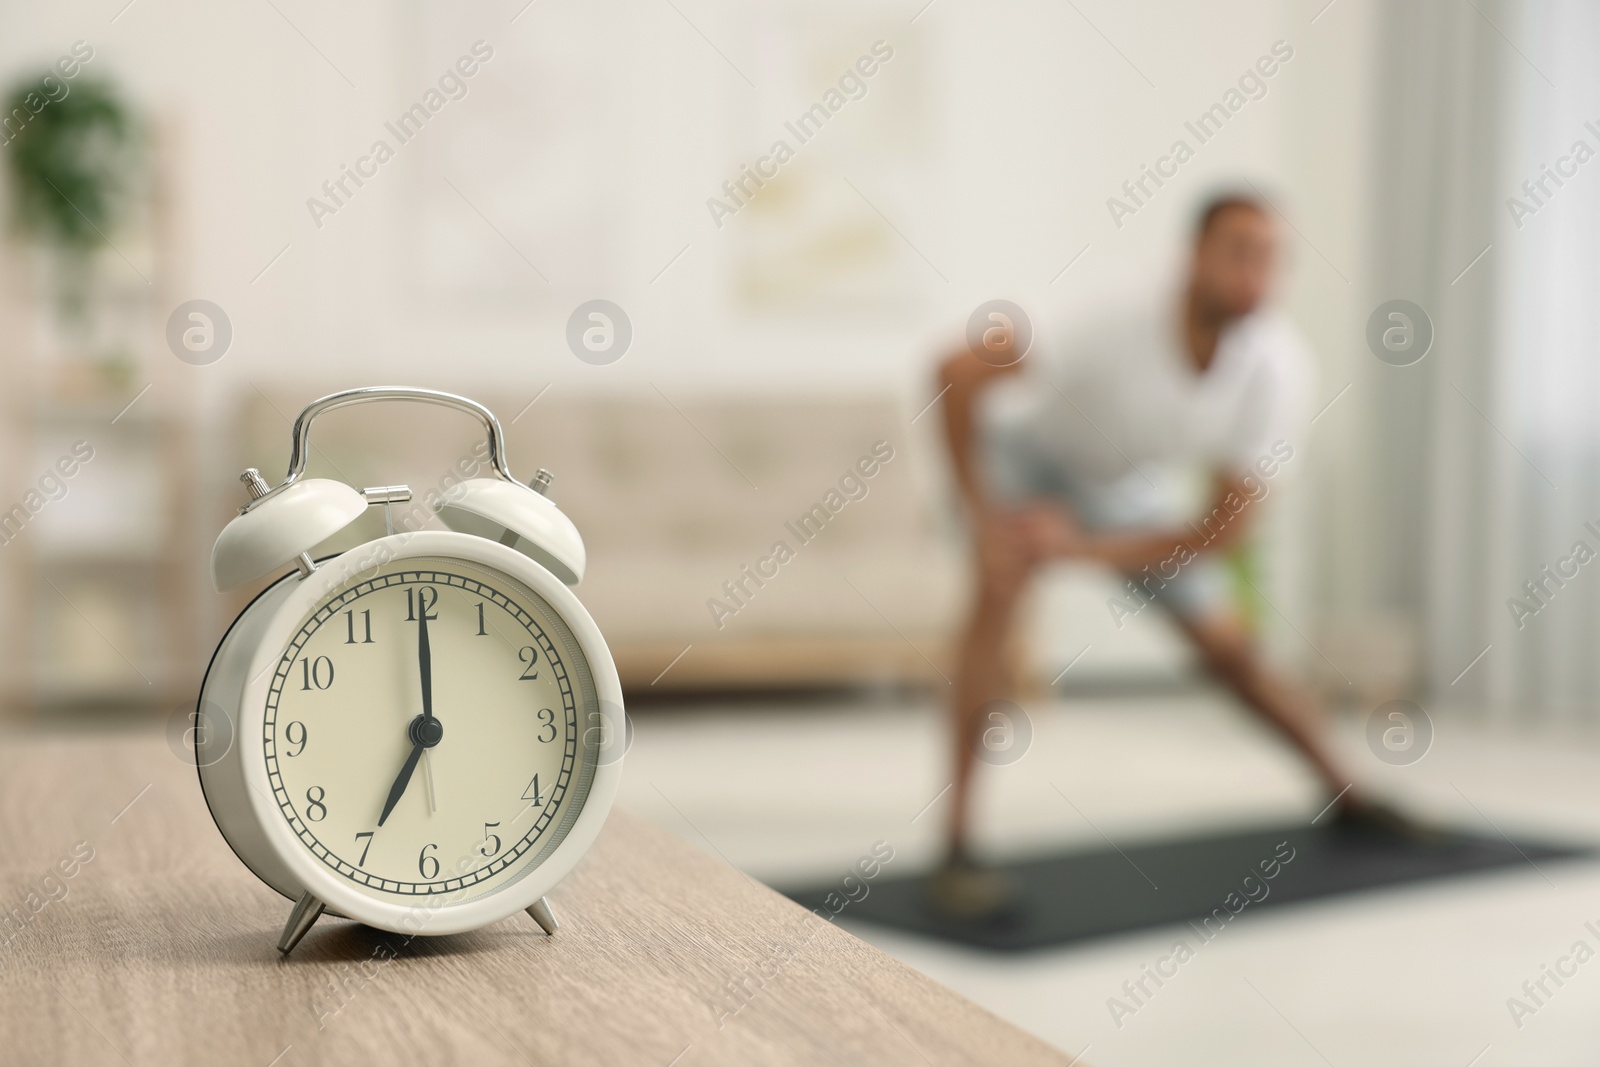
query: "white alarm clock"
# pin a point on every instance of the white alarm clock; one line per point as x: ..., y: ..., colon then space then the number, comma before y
x: 423, y: 733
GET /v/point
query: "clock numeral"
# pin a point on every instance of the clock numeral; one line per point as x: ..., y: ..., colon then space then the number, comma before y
x: 424, y: 861
x: 532, y: 793
x: 486, y: 849
x: 316, y: 810
x: 288, y: 735
x: 350, y: 627
x: 481, y: 631
x: 530, y: 656
x: 425, y: 595
x: 548, y: 719
x: 312, y: 673
x: 362, y: 862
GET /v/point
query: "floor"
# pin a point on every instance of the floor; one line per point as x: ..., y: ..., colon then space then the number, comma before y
x: 1410, y: 977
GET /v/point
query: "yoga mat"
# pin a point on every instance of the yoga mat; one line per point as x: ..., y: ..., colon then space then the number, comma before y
x: 1208, y: 882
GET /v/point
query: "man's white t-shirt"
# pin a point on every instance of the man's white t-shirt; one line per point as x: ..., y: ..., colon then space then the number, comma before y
x: 1120, y: 413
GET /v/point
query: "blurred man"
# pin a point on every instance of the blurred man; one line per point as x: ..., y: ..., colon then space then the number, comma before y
x: 1085, y: 450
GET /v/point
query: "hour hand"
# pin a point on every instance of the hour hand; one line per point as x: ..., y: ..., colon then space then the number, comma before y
x: 398, y: 790
x: 424, y: 734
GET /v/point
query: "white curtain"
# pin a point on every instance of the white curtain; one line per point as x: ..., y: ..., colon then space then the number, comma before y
x: 1490, y: 447
x: 1439, y: 135
x: 1547, y: 365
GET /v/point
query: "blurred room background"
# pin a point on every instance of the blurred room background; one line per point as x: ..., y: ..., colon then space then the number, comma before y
x: 196, y: 153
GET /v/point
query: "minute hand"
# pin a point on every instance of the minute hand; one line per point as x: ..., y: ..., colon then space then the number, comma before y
x: 424, y: 660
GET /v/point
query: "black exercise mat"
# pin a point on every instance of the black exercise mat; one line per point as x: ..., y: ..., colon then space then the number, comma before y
x: 1082, y: 895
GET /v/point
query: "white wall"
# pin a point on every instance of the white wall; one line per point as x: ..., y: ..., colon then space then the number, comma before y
x: 1032, y: 121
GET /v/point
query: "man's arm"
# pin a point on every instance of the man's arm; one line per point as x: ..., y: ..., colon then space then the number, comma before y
x: 962, y: 379
x: 1227, y: 519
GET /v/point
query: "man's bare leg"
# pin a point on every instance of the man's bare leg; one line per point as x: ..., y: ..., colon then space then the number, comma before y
x: 983, y: 674
x: 1231, y: 654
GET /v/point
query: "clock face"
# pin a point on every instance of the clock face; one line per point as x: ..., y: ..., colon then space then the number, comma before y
x: 431, y: 731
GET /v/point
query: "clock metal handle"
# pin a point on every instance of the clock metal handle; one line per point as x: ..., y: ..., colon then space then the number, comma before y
x: 300, y: 447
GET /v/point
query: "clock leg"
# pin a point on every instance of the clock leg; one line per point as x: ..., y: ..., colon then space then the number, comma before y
x: 300, y: 919
x: 540, y: 910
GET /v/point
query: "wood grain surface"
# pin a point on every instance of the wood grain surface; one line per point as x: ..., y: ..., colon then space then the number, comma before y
x: 136, y: 937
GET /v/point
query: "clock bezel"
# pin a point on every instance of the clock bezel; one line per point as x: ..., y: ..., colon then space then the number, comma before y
x: 429, y: 915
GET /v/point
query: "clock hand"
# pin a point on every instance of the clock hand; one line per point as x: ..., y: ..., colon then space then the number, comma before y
x: 401, y: 781
x: 424, y: 659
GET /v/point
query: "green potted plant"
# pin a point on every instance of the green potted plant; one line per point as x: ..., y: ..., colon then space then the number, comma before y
x: 71, y: 167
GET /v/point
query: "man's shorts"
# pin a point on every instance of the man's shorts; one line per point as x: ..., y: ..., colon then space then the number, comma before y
x: 1016, y: 471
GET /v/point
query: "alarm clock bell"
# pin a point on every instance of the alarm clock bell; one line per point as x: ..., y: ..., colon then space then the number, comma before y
x: 528, y: 522
x: 260, y: 540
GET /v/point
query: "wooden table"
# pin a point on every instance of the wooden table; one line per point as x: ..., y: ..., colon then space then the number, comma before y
x: 159, y: 949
